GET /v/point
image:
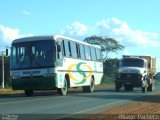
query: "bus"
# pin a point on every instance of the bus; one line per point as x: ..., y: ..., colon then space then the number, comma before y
x: 54, y: 62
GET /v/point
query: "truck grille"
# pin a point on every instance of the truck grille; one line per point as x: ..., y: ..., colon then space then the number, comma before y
x: 130, y: 76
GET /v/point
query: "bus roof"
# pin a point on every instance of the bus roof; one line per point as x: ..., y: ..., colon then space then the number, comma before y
x: 49, y: 37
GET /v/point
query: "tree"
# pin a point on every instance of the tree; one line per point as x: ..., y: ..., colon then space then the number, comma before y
x: 110, y: 66
x: 107, y: 44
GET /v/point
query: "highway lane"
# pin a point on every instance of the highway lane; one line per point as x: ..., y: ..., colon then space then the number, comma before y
x: 74, y: 103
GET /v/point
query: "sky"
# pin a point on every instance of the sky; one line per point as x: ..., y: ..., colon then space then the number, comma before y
x: 134, y: 23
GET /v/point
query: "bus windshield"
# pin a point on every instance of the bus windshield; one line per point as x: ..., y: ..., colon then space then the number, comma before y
x: 132, y: 63
x: 36, y: 54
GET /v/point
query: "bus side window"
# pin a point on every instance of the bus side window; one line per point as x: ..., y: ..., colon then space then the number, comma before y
x: 93, y: 53
x: 82, y: 52
x: 69, y: 45
x: 64, y: 50
x: 87, y: 52
x: 98, y: 53
x: 78, y: 50
x: 73, y: 49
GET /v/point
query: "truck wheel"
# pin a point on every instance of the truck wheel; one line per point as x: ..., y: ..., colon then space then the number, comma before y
x: 28, y: 93
x: 90, y: 88
x: 64, y: 90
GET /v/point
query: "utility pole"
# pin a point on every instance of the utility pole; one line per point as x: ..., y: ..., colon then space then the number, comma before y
x: 3, y: 54
x: 3, y: 69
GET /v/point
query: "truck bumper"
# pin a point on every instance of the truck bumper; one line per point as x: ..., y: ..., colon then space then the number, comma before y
x: 129, y: 82
x: 129, y: 79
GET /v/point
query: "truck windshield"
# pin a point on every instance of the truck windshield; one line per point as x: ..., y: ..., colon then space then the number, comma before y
x: 36, y: 54
x: 132, y: 63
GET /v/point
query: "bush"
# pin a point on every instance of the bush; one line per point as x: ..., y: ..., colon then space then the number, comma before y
x: 110, y: 67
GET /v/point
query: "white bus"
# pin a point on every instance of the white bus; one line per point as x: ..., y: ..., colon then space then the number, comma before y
x: 54, y: 62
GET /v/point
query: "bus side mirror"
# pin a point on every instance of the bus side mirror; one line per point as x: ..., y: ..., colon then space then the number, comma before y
x: 6, y: 52
x: 58, y: 48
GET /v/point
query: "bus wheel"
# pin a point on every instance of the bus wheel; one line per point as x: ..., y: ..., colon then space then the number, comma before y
x: 89, y: 88
x: 64, y: 90
x: 144, y: 89
x: 150, y: 88
x: 28, y: 92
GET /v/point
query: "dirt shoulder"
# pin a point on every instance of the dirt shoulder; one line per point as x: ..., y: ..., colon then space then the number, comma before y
x: 147, y: 108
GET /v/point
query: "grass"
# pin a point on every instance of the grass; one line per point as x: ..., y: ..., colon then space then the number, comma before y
x: 9, y: 91
x: 107, y: 82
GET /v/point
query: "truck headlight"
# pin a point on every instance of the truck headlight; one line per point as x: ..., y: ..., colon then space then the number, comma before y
x: 139, y: 76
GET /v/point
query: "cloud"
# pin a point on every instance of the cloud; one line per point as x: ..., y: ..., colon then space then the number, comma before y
x: 75, y: 29
x: 127, y: 36
x: 114, y: 28
x: 7, y: 35
x: 25, y: 12
x: 126, y: 52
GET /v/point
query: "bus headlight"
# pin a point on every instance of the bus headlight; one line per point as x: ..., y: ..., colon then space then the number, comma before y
x: 15, y: 77
x: 50, y: 75
x: 53, y: 74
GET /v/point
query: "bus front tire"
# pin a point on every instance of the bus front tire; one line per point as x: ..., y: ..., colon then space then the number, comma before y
x: 64, y: 90
x: 28, y: 93
x: 144, y: 89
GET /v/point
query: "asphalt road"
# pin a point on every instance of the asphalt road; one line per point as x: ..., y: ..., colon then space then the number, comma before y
x: 75, y: 103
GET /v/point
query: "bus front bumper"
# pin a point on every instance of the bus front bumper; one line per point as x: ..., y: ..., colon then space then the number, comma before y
x: 43, y: 83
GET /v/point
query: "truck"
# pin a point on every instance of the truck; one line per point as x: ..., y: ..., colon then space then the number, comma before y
x: 136, y: 71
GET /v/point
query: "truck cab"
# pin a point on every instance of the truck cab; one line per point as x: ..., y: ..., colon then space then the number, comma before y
x: 133, y: 72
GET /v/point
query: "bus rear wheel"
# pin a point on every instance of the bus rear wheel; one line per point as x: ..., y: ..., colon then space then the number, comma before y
x: 90, y: 88
x: 28, y: 92
x: 64, y: 90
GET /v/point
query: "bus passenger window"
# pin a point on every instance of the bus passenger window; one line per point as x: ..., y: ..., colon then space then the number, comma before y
x: 93, y: 54
x: 64, y: 50
x: 87, y: 52
x: 78, y: 50
x: 66, y: 47
x: 98, y: 53
x: 69, y: 46
x: 73, y: 49
x: 82, y: 51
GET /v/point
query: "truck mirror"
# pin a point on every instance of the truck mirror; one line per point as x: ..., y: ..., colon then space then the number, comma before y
x: 6, y: 52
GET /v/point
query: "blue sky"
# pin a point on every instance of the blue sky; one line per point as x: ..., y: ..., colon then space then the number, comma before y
x: 134, y: 23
